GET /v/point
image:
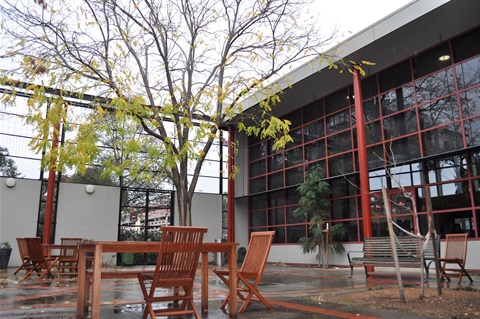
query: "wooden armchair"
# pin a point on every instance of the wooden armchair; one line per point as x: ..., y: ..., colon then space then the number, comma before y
x: 68, y: 258
x: 24, y: 257
x: 456, y: 255
x: 250, y: 274
x: 177, y: 263
x: 41, y: 264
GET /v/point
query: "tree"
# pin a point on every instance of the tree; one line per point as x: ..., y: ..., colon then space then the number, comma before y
x: 313, y: 207
x: 7, y: 165
x: 177, y: 69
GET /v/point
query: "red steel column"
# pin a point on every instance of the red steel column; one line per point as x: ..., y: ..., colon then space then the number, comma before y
x: 231, y: 185
x: 362, y: 155
x: 47, y: 221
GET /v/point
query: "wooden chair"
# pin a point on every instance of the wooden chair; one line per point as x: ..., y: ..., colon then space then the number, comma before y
x: 177, y: 263
x: 68, y: 258
x: 250, y: 274
x: 24, y: 257
x: 41, y: 264
x: 456, y: 254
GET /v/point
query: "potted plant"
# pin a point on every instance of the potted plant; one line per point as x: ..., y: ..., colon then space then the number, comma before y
x: 5, y: 252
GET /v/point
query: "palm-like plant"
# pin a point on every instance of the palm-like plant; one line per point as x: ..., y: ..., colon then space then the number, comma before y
x: 314, y: 205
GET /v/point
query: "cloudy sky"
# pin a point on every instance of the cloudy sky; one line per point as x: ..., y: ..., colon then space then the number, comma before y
x: 352, y: 16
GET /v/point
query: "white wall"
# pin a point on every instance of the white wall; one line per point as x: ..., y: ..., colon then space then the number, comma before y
x: 18, y: 213
x: 91, y: 216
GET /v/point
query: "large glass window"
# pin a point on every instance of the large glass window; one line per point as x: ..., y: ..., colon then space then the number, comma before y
x: 315, y: 151
x: 400, y: 124
x: 294, y: 176
x: 294, y: 157
x: 373, y: 132
x: 344, y: 208
x: 339, y: 143
x: 470, y: 102
x: 313, y: 131
x: 439, y: 112
x: 472, y: 132
x: 338, y: 122
x: 258, y: 168
x: 435, y: 86
x: 441, y: 140
x: 404, y: 149
x: 397, y: 100
x: 468, y: 73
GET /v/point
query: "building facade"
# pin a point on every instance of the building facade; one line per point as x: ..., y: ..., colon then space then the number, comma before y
x: 420, y: 131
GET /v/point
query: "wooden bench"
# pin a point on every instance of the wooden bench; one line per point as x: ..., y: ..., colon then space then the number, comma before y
x: 377, y: 252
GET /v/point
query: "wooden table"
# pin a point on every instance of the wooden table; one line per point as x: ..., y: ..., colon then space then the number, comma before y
x: 98, y: 248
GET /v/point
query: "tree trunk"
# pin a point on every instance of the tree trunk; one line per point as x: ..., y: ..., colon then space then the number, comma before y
x: 393, y: 244
x: 184, y: 204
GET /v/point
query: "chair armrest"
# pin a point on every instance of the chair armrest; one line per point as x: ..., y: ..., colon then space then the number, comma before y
x: 353, y: 252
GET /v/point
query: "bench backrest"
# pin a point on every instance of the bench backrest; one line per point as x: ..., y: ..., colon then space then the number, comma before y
x: 409, y: 247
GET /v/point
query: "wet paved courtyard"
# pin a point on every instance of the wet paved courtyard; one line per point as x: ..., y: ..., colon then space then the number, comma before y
x: 287, y: 288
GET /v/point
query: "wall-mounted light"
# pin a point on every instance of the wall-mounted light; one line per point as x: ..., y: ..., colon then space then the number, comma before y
x: 444, y: 57
x: 89, y: 189
x: 10, y: 182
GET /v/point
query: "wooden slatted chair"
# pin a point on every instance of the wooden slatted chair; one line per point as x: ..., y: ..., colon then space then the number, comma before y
x: 177, y: 263
x: 41, y: 264
x: 68, y: 258
x: 24, y: 257
x: 250, y: 274
x: 455, y: 256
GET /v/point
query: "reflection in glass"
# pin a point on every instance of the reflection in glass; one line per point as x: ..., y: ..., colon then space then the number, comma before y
x: 438, y: 112
x: 371, y: 110
x: 344, y: 208
x: 313, y: 131
x: 468, y: 73
x: 445, y: 139
x: 337, y: 122
x: 294, y: 233
x: 404, y: 149
x: 397, y: 100
x: 294, y: 157
x: 275, y: 180
x: 470, y: 102
x: 472, y: 131
x: 340, y: 165
x: 315, y: 151
x: 339, y: 143
x: 373, y: 132
x: 435, y: 86
x: 400, y: 124
x: 258, y: 218
x: 294, y: 176
x: 275, y: 162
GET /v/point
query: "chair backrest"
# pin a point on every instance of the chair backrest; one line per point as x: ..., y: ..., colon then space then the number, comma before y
x: 456, y: 246
x: 35, y: 249
x: 257, y: 254
x: 179, y: 252
x: 23, y: 249
x: 69, y: 247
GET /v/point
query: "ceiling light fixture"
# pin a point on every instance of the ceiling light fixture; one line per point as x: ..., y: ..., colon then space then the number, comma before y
x: 444, y: 57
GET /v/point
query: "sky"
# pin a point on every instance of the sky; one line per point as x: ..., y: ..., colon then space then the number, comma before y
x: 352, y: 16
